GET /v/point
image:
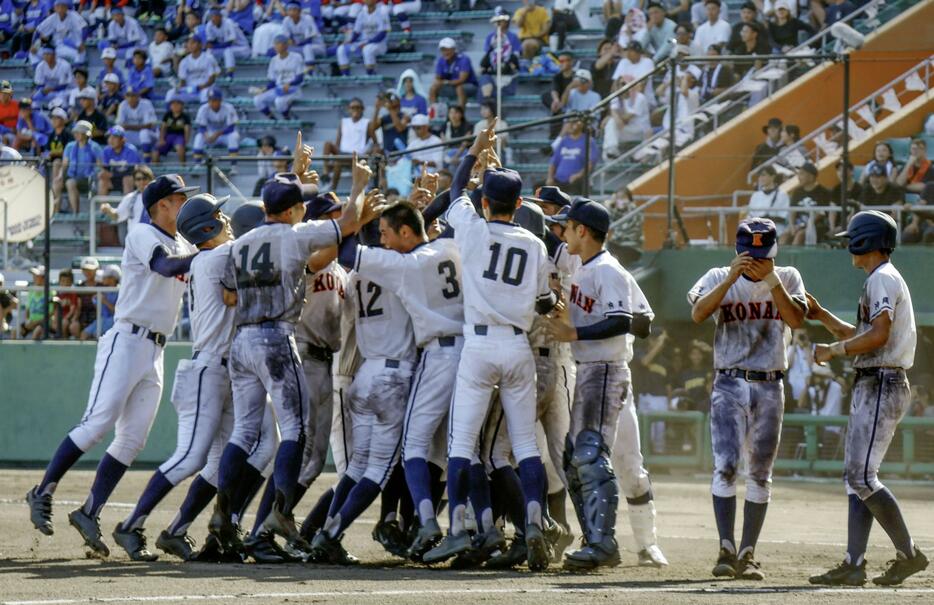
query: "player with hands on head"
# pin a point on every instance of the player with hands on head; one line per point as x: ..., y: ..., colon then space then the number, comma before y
x: 882, y: 344
x: 755, y: 304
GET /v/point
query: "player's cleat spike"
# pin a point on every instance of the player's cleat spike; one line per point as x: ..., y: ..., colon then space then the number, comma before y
x: 747, y: 568
x: 726, y: 564
x: 591, y: 556
x: 221, y: 527
x: 181, y: 546
x: 325, y: 549
x: 515, y: 555
x: 40, y: 510
x: 844, y: 574
x: 560, y: 537
x: 901, y: 568
x: 90, y: 530
x: 263, y: 549
x: 450, y: 546
x: 212, y: 552
x: 427, y: 538
x: 133, y: 541
x: 538, y: 551
x: 389, y: 534
x: 652, y: 556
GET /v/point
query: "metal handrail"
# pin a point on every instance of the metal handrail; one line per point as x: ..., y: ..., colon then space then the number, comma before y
x: 97, y: 290
x: 815, y: 150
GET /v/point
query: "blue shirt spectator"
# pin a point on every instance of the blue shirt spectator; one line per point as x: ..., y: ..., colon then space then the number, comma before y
x: 581, y: 96
x: 9, y: 18
x: 566, y: 169
x: 140, y: 76
x: 454, y: 75
x: 82, y: 155
x: 453, y: 68
x: 837, y: 10
x: 120, y: 157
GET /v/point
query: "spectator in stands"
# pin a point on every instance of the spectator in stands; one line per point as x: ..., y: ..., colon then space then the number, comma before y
x: 391, y: 126
x: 772, y: 145
x: 265, y: 169
x: 854, y: 191
x: 658, y: 34
x: 487, y: 111
x: 80, y: 75
x: 411, y: 96
x: 454, y: 75
x: 241, y: 11
x: 684, y: 39
x: 174, y: 132
x: 693, y: 383
x: 118, y: 159
x: 124, y: 34
x: 81, y: 161
x: 791, y: 134
x: 161, y: 53
x: 369, y: 39
x: 580, y: 96
x: 837, y: 10
x: 140, y: 75
x: 88, y: 306
x: 769, y: 201
x: 432, y: 159
x: 634, y: 64
x: 109, y: 59
x: 508, y: 55
x: 608, y: 55
x: 715, y: 77
x: 918, y: 170
x: 225, y: 40
x: 110, y: 278
x: 800, y: 365
x: 68, y: 304
x: 31, y: 14
x: 810, y: 227
x: 569, y: 167
x: 633, y: 27
x: 785, y: 28
x: 55, y: 149
x: 64, y: 29
x: 559, y: 82
x: 9, y: 112
x: 352, y: 137
x: 712, y: 31
x: 36, y: 307
x: 688, y: 103
x: 285, y: 75
x: 187, y: 24
x: 920, y: 228
x: 627, y: 235
x: 303, y: 34
x: 111, y: 97
x: 628, y: 123
x: 563, y: 20
x: 216, y: 124
x: 652, y: 385
x: 32, y: 129
x: 748, y: 15
x: 8, y: 19
x: 882, y: 155
x: 8, y: 303
x: 137, y: 117
x: 455, y: 127
x: 87, y: 100
x: 52, y: 78
x: 534, y: 24
x: 196, y: 74
x: 612, y: 18
x: 151, y: 10
x: 881, y: 191
x: 130, y: 208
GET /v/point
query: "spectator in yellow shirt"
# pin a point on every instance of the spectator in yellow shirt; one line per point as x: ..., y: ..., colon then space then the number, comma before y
x: 534, y: 23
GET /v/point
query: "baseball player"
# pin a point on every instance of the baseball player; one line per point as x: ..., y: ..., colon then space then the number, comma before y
x: 127, y: 383
x: 505, y: 281
x: 225, y: 39
x: 883, y: 346
x: 302, y: 32
x: 369, y: 38
x: 53, y: 78
x: 196, y: 74
x: 65, y: 30
x: 266, y: 277
x: 137, y: 116
x: 216, y: 122
x: 285, y: 74
x: 755, y: 304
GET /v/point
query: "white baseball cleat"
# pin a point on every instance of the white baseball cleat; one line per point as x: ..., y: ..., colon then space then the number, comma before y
x: 652, y: 556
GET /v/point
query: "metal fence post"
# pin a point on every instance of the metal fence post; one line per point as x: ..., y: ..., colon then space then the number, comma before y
x: 92, y: 224
x: 209, y: 183
x: 845, y: 158
x: 47, y: 248
x: 586, y: 117
x: 672, y: 108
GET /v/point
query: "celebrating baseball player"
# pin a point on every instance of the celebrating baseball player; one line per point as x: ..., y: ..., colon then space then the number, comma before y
x: 754, y: 304
x: 882, y: 344
x: 127, y: 385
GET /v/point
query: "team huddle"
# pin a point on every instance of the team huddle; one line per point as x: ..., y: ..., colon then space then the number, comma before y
x: 471, y: 353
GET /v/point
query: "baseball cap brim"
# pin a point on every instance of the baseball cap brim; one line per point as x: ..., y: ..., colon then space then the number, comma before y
x: 759, y: 252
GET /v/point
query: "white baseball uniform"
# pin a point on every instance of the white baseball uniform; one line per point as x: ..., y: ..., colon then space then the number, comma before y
x: 224, y: 120
x: 305, y: 37
x: 227, y: 41
x: 282, y: 72
x: 195, y: 72
x: 144, y: 114
x: 371, y: 31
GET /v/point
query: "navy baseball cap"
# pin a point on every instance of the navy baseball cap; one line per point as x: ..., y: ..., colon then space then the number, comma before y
x: 559, y: 218
x: 590, y: 214
x: 758, y: 237
x: 163, y: 187
x: 281, y: 194
x: 876, y: 170
x: 502, y: 185
x: 320, y: 205
x: 550, y: 195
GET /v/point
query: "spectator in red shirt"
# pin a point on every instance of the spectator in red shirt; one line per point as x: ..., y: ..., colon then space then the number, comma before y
x: 68, y: 304
x: 918, y: 170
x: 9, y: 112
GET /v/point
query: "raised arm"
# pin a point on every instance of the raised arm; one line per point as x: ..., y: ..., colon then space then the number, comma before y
x: 707, y: 304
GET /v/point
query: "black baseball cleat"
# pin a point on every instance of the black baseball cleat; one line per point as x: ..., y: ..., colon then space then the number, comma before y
x: 181, y: 546
x: 450, y: 546
x: 40, y: 510
x: 844, y: 574
x: 133, y: 541
x: 221, y: 527
x: 537, y: 546
x: 747, y: 568
x: 90, y: 530
x: 308, y: 532
x: 515, y: 555
x: 325, y: 549
x: 263, y: 549
x: 390, y: 535
x: 483, y: 547
x: 592, y: 556
x: 559, y: 536
x: 213, y: 552
x: 726, y: 565
x: 901, y: 568
x: 427, y: 538
x: 282, y: 524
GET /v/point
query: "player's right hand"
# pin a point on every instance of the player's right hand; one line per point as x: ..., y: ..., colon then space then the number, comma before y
x: 373, y: 205
x: 739, y: 265
x: 814, y: 308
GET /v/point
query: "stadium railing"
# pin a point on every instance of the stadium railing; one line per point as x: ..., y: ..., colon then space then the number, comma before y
x: 20, y: 311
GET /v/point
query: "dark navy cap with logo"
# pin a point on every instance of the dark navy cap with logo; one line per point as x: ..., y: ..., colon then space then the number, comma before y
x: 502, y: 185
x: 590, y: 214
x: 758, y: 237
x: 163, y: 187
x: 322, y: 204
x: 550, y: 195
x: 280, y: 194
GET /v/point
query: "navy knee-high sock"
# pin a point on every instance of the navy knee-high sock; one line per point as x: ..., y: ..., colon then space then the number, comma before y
x: 250, y: 485
x: 724, y: 511
x: 532, y: 476
x: 288, y: 466
x: 199, y: 495
x: 438, y: 485
x: 265, y: 505
x: 418, y: 480
x: 341, y: 490
x: 109, y: 473
x: 157, y: 488
x: 458, y: 489
x: 64, y: 458
x: 391, y: 494
x: 753, y: 518
x: 884, y: 508
x: 319, y: 513
x: 858, y: 527
x: 362, y: 495
x: 479, y: 495
x: 229, y: 474
x: 505, y: 482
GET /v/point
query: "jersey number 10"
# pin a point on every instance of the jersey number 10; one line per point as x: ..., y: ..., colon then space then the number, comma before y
x: 513, y: 267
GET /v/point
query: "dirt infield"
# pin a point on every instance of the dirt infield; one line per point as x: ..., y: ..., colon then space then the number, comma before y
x: 804, y: 533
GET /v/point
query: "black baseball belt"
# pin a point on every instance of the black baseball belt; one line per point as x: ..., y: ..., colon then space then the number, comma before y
x: 156, y: 337
x: 753, y: 375
x: 876, y: 371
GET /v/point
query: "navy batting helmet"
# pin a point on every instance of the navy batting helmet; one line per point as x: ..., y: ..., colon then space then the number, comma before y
x: 531, y: 217
x: 870, y: 230
x: 246, y: 217
x: 196, y: 220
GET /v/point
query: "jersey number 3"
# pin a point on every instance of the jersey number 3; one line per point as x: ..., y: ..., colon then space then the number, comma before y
x: 513, y: 267
x: 452, y: 289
